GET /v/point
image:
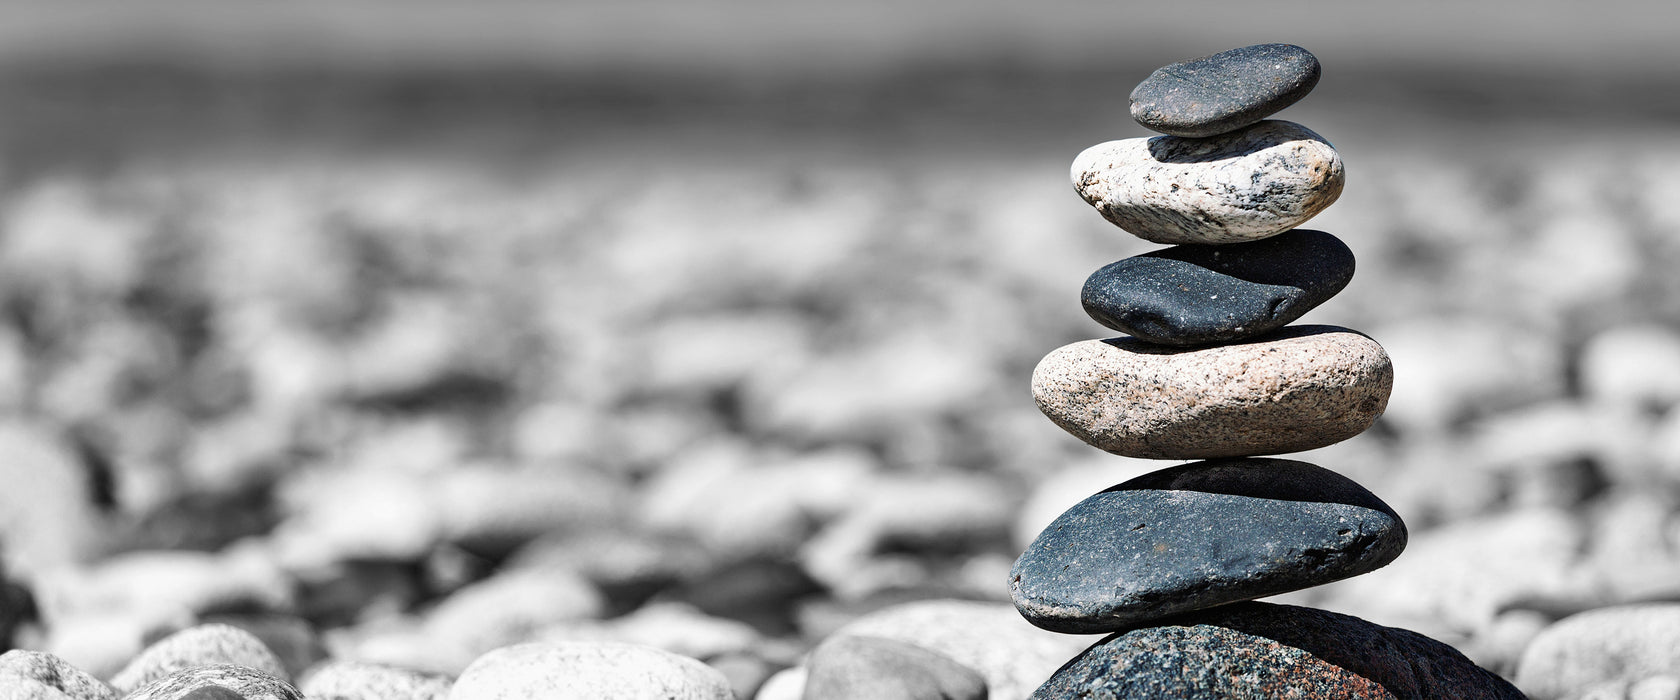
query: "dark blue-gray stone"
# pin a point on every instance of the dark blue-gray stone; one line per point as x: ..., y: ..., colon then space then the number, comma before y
x: 1259, y: 650
x: 1225, y: 91
x: 1190, y: 295
x: 1199, y: 535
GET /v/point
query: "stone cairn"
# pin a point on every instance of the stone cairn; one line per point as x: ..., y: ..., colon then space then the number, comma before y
x: 1169, y: 561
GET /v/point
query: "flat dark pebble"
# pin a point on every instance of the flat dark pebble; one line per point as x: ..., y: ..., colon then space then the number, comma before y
x: 1260, y: 650
x: 1225, y: 91
x: 1200, y: 535
x: 1191, y: 295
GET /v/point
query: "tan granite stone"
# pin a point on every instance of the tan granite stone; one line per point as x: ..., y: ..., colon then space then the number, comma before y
x: 1301, y: 388
x: 1249, y: 184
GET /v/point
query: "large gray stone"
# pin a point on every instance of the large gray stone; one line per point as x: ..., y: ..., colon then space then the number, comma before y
x: 1623, y: 644
x: 1257, y: 650
x: 1225, y: 91
x: 1300, y: 388
x: 1200, y: 535
x: 1246, y: 185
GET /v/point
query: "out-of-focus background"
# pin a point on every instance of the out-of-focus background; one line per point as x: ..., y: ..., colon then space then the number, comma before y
x: 404, y: 330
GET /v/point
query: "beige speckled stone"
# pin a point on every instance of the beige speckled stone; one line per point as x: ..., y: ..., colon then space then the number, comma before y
x: 1301, y: 388
x: 1245, y: 185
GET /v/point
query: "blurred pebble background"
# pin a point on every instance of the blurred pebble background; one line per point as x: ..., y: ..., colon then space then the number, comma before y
x: 402, y: 331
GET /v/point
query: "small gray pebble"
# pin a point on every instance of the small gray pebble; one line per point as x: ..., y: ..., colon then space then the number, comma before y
x: 865, y: 668
x: 1225, y: 91
x: 350, y: 680
x: 198, y: 646
x: 242, y: 682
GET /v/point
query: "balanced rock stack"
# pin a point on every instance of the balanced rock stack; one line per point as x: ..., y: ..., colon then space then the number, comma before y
x: 1211, y: 371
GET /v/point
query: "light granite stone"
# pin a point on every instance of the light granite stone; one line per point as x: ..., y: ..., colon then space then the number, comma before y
x: 588, y: 671
x: 1300, y: 388
x: 1625, y: 643
x: 203, y: 645
x: 1245, y: 185
x: 216, y: 682
x: 56, y: 673
x: 352, y: 680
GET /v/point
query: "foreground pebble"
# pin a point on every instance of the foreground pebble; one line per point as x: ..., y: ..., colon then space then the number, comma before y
x: 55, y: 673
x: 588, y: 671
x: 1225, y: 91
x: 1198, y: 295
x: 203, y: 645
x: 865, y: 668
x: 349, y: 680
x: 1257, y: 650
x: 1014, y: 657
x: 1200, y: 535
x: 1245, y: 185
x: 217, y: 682
x: 1616, y: 645
x: 1300, y: 388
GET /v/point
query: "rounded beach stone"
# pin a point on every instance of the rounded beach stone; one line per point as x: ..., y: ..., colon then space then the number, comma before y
x: 1225, y: 91
x: 864, y: 668
x: 16, y: 686
x: 1014, y: 657
x: 1246, y: 185
x: 1202, y: 294
x: 588, y: 671
x: 352, y: 680
x: 1623, y: 643
x: 1200, y: 535
x: 203, y: 645
x: 1258, y: 650
x: 217, y: 682
x: 56, y: 673
x: 1297, y: 389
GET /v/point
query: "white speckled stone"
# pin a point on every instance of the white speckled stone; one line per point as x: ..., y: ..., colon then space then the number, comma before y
x: 588, y: 671
x: 351, y: 680
x: 203, y: 645
x: 1301, y: 388
x: 55, y: 673
x: 1245, y: 185
x: 1622, y: 643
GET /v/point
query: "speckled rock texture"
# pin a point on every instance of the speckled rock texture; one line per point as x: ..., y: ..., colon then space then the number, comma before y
x: 199, y: 646
x: 1258, y: 650
x: 1202, y: 294
x: 212, y: 692
x: 1621, y: 644
x: 203, y: 682
x: 865, y: 668
x: 1298, y: 388
x: 56, y: 673
x: 15, y: 686
x: 1199, y: 535
x: 1249, y: 184
x: 350, y: 680
x: 1225, y: 91
x: 588, y: 671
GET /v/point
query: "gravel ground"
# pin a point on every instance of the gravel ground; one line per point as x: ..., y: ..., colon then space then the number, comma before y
x: 408, y: 382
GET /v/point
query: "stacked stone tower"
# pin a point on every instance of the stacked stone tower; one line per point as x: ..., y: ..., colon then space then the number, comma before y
x: 1212, y: 371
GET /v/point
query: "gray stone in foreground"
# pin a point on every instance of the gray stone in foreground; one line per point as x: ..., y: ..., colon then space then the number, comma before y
x: 1296, y: 389
x: 1256, y: 182
x: 203, y: 645
x: 866, y: 668
x: 588, y: 671
x: 1624, y: 643
x: 1199, y: 535
x: 56, y: 673
x: 1200, y: 294
x: 1258, y: 650
x: 214, y: 682
x: 352, y: 680
x: 1225, y: 91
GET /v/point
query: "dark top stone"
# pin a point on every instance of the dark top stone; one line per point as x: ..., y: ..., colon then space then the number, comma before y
x: 850, y: 667
x: 1224, y: 92
x: 1259, y: 650
x: 1207, y: 294
x: 1200, y: 535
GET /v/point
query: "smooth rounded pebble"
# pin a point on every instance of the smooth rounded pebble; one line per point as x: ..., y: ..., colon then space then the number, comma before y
x: 1225, y: 91
x: 1258, y: 650
x: 351, y: 680
x: 1624, y: 643
x: 203, y: 645
x: 56, y: 673
x: 1200, y: 535
x: 588, y: 671
x: 1202, y: 294
x: 16, y: 686
x: 1297, y: 389
x: 866, y: 668
x: 1014, y: 657
x: 1242, y: 186
x: 215, y: 682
